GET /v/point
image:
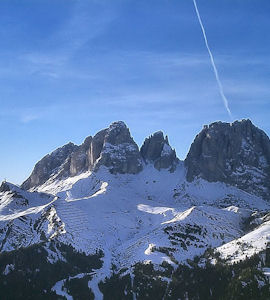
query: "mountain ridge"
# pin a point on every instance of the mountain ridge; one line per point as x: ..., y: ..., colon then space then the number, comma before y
x: 130, y: 208
x: 221, y: 152
x: 103, y: 149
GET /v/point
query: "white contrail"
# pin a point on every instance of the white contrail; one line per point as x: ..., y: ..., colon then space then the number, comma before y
x: 225, y: 100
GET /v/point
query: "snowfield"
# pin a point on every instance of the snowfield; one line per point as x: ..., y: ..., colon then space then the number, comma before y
x: 151, y: 216
x: 248, y: 245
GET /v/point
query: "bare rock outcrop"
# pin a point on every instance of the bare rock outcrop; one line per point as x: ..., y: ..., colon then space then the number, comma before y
x: 49, y: 165
x: 156, y: 150
x: 235, y: 153
x: 119, y: 152
x: 112, y: 147
x: 79, y: 160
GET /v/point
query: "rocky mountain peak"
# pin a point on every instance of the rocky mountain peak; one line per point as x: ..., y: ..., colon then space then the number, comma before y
x: 156, y: 150
x: 112, y: 147
x: 235, y: 153
x: 118, y: 133
x: 119, y: 152
x: 11, y: 188
x: 4, y: 187
x: 49, y: 165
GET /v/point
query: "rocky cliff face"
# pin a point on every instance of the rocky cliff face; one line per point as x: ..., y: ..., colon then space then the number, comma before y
x: 112, y: 147
x: 237, y: 154
x: 96, y: 146
x: 84, y: 158
x: 119, y: 152
x: 79, y: 160
x: 156, y: 150
x: 49, y: 165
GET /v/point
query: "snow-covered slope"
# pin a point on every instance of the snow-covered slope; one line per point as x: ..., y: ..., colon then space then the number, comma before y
x: 154, y: 215
x: 244, y: 247
x: 22, y: 215
x: 138, y: 208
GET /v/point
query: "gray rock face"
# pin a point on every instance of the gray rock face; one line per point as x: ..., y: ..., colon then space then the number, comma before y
x: 96, y: 146
x: 4, y: 187
x: 119, y: 152
x: 112, y: 147
x: 79, y: 160
x: 48, y: 166
x: 86, y: 155
x: 237, y: 154
x: 156, y: 150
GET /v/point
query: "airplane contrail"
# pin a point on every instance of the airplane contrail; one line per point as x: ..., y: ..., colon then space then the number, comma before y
x: 221, y: 91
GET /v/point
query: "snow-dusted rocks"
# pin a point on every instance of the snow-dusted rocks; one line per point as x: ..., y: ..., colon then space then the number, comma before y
x: 237, y: 154
x: 119, y: 152
x: 112, y: 147
x: 4, y: 187
x: 21, y: 216
x: 156, y: 150
x: 49, y: 166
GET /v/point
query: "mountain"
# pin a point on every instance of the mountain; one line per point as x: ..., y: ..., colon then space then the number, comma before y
x: 49, y: 165
x: 156, y: 150
x: 237, y: 154
x: 109, y: 220
x: 112, y: 147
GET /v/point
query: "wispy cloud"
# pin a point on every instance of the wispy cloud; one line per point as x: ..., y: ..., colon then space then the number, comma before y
x: 55, y: 58
x: 27, y: 118
x: 29, y: 114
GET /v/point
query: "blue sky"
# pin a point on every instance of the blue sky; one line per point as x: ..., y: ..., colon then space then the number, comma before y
x: 69, y: 68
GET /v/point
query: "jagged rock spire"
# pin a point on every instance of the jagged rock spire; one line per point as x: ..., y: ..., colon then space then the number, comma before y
x: 156, y: 150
